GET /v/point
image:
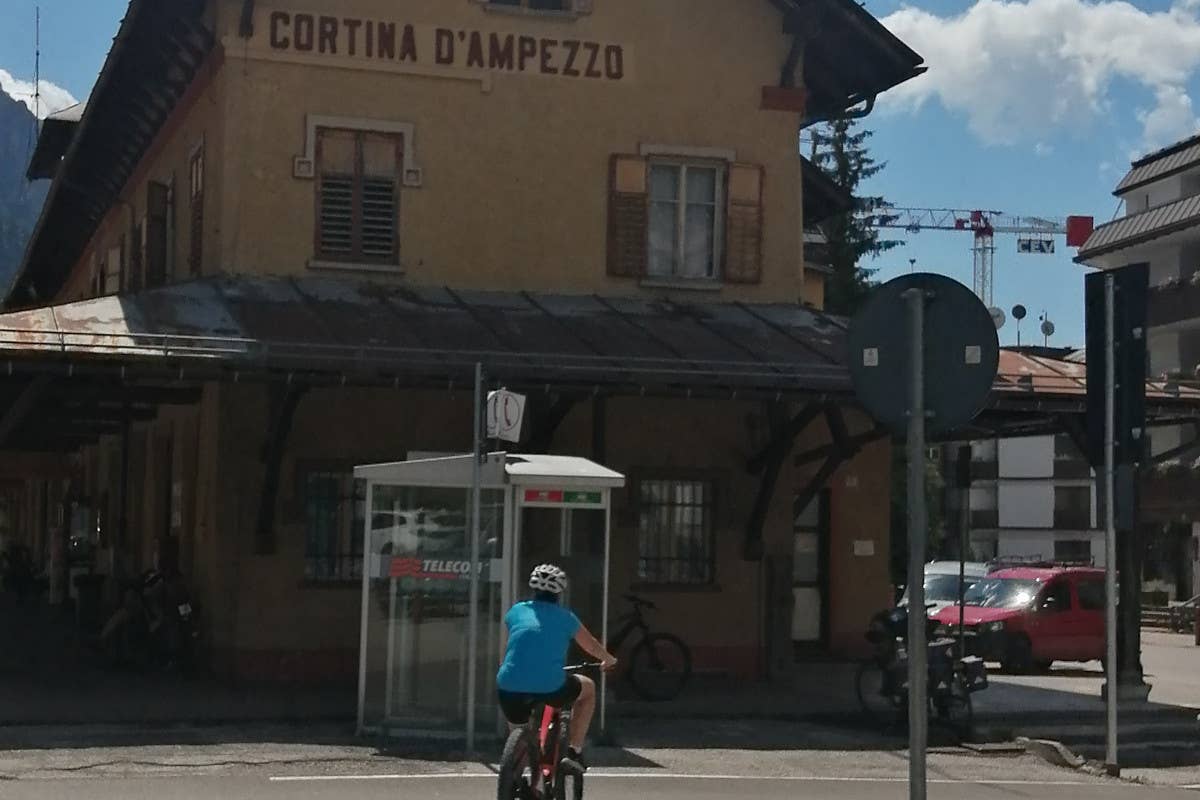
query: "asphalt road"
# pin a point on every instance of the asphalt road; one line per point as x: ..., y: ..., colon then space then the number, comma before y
x: 600, y: 786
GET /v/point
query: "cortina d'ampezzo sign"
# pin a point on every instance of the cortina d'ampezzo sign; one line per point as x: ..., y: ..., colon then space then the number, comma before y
x: 402, y: 44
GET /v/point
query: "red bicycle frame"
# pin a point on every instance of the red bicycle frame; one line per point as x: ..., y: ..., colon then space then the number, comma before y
x: 548, y: 741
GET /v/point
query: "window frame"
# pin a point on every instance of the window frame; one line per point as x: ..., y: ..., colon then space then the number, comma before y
x: 356, y: 257
x: 708, y: 561
x: 720, y: 218
x: 345, y: 560
x: 571, y: 8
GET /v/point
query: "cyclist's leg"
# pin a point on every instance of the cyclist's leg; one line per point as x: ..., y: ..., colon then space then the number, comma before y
x: 581, y: 712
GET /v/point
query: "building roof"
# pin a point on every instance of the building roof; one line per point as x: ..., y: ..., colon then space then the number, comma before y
x: 157, y: 51
x: 498, y: 470
x: 372, y: 333
x: 1145, y: 226
x: 334, y: 332
x: 1160, y: 164
x: 161, y: 47
x: 823, y: 197
x: 53, y: 139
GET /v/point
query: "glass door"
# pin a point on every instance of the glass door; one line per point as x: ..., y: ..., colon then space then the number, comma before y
x: 810, y: 571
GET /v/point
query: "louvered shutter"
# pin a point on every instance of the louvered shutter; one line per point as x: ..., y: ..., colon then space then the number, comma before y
x: 379, y: 202
x: 744, y: 224
x: 337, y: 157
x: 628, y: 216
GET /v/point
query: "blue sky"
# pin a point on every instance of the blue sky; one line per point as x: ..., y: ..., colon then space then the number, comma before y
x: 1030, y: 107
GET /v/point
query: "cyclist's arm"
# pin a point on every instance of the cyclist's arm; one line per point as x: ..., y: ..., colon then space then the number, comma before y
x: 591, y: 645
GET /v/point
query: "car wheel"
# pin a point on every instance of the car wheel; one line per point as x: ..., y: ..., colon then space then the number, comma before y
x: 1043, y: 666
x: 1018, y: 655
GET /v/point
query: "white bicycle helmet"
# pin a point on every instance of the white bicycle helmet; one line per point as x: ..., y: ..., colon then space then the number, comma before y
x: 548, y: 578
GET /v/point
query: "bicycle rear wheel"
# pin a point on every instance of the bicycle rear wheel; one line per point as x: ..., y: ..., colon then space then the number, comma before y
x: 956, y: 710
x: 570, y: 786
x: 518, y: 767
x: 660, y: 667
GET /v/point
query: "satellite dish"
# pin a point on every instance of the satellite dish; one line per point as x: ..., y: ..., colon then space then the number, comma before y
x: 1019, y: 313
x: 1048, y: 329
x: 997, y: 317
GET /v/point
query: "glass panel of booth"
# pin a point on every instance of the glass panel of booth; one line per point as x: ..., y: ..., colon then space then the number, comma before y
x: 417, y: 609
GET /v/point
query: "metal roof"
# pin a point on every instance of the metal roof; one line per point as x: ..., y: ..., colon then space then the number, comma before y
x: 435, y: 334
x: 1161, y: 164
x: 1142, y: 227
x: 498, y: 470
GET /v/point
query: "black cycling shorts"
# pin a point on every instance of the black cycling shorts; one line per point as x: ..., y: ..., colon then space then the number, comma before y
x: 517, y: 706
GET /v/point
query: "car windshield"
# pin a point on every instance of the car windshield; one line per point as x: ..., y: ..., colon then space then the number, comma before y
x: 1001, y: 593
x: 944, y: 588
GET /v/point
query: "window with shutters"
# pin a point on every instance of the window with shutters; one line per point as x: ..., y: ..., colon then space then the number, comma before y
x: 553, y: 6
x: 687, y: 220
x: 358, y: 196
x: 686, y: 212
x: 196, y: 179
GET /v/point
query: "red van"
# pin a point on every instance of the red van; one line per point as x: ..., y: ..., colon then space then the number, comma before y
x: 1029, y: 617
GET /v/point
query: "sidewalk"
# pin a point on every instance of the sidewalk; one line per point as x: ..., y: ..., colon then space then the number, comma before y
x: 48, y: 678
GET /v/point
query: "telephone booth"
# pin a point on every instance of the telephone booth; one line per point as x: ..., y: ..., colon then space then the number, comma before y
x: 417, y: 637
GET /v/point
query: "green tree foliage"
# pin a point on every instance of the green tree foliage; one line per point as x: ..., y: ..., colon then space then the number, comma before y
x: 839, y: 149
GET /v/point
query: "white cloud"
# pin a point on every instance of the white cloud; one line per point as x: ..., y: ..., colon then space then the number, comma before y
x: 1042, y: 150
x: 53, y: 97
x: 1021, y: 70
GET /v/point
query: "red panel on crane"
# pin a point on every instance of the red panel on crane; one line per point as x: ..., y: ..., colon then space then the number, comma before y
x: 1079, y: 229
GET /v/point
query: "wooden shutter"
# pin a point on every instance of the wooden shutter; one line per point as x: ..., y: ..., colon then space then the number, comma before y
x: 744, y: 224
x: 196, y: 239
x: 380, y: 197
x: 628, y: 216
x: 157, y: 195
x: 337, y: 158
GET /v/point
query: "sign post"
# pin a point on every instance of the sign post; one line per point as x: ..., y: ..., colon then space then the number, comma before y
x: 932, y: 335
x: 473, y: 590
x: 1111, y: 755
x: 918, y: 653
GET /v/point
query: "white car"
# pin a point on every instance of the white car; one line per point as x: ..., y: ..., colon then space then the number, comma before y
x: 941, y: 583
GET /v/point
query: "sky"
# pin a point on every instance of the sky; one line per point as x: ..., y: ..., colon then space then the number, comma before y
x: 1030, y: 107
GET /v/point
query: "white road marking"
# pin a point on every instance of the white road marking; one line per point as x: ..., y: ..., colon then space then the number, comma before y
x: 680, y: 776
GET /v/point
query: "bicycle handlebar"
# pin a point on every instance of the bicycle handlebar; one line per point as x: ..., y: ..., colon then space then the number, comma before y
x: 582, y: 667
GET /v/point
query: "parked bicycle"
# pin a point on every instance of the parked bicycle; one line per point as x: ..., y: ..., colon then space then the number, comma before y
x: 530, y: 767
x: 882, y: 680
x: 660, y: 664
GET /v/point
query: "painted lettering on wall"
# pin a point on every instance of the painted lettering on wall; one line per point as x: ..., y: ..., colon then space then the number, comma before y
x: 452, y: 48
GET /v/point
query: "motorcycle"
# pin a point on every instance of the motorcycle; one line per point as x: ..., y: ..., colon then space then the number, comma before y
x: 882, y: 680
x: 157, y: 627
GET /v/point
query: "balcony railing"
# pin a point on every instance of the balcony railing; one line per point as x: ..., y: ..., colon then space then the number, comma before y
x: 1178, y: 301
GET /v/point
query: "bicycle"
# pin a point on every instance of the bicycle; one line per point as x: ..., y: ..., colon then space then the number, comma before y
x: 529, y: 767
x: 660, y: 665
x: 882, y: 680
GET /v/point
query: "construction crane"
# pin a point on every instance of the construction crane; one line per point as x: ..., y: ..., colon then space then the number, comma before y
x: 1037, y: 235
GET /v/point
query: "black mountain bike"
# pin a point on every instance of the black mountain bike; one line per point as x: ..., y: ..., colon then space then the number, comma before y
x: 530, y: 765
x: 660, y: 664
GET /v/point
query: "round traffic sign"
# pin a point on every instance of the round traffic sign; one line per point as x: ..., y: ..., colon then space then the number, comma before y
x: 962, y: 353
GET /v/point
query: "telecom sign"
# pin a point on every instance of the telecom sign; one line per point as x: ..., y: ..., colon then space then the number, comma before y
x: 566, y: 497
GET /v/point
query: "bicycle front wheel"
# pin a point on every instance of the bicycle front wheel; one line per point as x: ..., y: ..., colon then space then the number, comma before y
x: 518, y: 767
x: 660, y: 667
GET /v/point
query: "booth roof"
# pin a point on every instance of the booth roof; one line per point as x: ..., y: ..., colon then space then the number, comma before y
x: 499, y: 470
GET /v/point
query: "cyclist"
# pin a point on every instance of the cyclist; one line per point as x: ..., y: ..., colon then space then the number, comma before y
x: 539, y: 632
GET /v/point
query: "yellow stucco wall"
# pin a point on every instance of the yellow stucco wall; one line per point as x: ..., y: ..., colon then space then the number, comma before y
x: 514, y: 184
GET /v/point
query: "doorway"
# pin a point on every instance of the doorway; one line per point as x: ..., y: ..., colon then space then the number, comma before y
x: 810, y: 575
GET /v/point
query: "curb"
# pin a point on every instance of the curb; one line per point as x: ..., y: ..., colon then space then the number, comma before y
x: 1052, y: 752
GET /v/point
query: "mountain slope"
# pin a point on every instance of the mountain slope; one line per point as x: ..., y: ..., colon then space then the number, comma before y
x: 20, y: 201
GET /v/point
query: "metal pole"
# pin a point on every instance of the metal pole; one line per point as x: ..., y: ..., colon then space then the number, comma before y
x: 473, y: 609
x: 964, y: 537
x: 1112, y: 761
x: 918, y: 655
